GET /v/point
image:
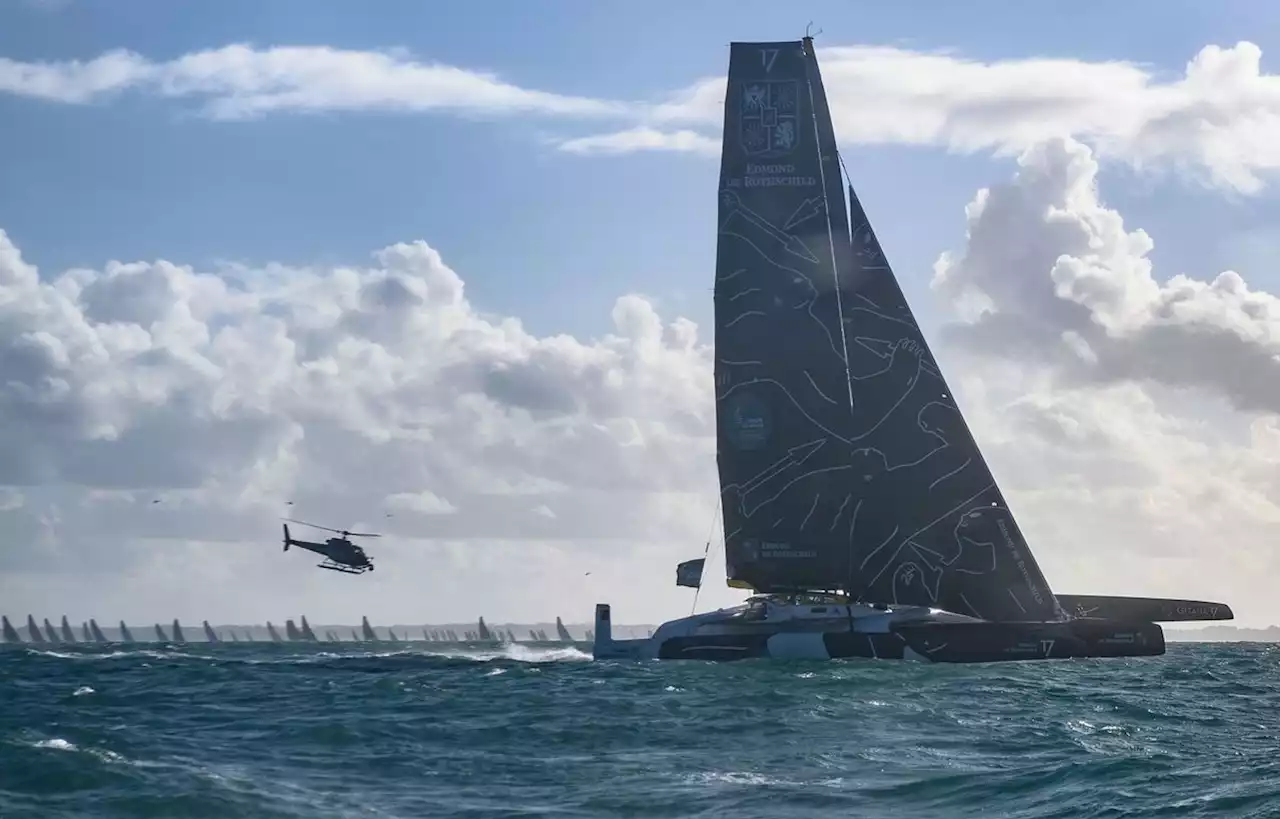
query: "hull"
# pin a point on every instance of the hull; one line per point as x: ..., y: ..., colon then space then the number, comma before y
x: 915, y: 634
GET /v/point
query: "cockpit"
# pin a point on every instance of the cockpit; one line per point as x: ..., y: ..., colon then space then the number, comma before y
x: 801, y: 604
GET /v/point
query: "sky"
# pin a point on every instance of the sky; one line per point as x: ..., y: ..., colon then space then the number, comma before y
x: 444, y: 272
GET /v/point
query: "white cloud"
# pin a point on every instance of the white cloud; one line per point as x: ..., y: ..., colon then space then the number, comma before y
x: 642, y: 139
x: 1218, y: 121
x: 157, y: 418
x: 424, y: 502
x: 1051, y: 272
x: 239, y: 81
x: 1135, y: 420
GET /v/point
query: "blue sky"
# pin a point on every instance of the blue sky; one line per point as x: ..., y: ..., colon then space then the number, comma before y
x: 548, y: 236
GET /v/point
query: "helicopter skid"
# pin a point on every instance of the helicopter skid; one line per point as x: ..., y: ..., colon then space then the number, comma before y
x: 339, y: 567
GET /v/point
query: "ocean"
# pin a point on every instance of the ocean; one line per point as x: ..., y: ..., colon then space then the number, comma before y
x: 253, y: 731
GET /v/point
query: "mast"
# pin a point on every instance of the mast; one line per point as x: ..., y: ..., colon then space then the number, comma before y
x: 844, y: 462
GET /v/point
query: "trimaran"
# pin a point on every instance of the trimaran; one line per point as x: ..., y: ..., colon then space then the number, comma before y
x: 855, y: 502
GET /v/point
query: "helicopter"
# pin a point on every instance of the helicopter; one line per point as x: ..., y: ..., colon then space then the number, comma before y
x: 341, y: 555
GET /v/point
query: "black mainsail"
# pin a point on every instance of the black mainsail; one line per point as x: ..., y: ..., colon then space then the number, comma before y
x: 844, y: 461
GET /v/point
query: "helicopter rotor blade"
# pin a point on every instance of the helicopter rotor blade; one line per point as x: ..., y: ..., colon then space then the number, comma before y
x: 315, y: 526
x: 359, y: 534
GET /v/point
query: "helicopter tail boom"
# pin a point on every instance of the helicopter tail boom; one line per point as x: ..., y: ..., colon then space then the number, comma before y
x: 287, y: 540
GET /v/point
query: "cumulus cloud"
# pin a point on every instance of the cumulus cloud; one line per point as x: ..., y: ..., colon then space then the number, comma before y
x: 158, y: 419
x: 1051, y: 271
x: 1135, y: 419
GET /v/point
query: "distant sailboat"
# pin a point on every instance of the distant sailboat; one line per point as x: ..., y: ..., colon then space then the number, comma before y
x: 68, y: 636
x: 160, y: 635
x: 33, y: 631
x: 307, y: 633
x: 177, y: 632
x: 125, y: 635
x: 562, y: 633
x: 854, y: 499
x: 10, y: 633
x: 209, y: 634
x: 367, y: 630
x: 272, y: 633
x: 96, y: 633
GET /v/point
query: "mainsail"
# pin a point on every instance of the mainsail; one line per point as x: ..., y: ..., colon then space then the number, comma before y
x: 844, y: 461
x: 307, y: 633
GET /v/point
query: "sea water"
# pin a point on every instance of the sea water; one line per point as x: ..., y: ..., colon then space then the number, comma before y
x: 359, y: 730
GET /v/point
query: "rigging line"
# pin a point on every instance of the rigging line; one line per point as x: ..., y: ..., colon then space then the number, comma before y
x: 715, y: 519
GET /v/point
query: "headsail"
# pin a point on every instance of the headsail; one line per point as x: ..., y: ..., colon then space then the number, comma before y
x: 844, y: 461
